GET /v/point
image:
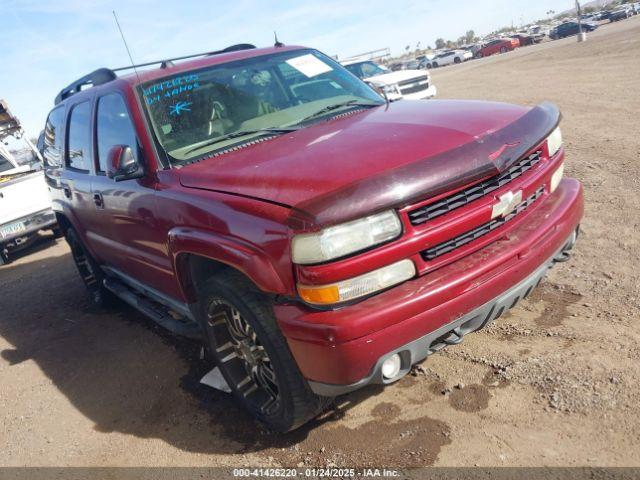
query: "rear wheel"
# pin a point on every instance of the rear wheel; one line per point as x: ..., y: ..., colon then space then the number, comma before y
x: 479, y: 54
x: 252, y: 354
x: 90, y: 272
x: 4, y: 255
x: 57, y: 232
x: 503, y: 49
x: 457, y: 60
x: 435, y: 64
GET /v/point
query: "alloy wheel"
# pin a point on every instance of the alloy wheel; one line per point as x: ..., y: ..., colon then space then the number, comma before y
x: 242, y: 357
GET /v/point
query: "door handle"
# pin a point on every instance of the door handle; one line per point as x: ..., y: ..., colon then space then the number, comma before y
x: 98, y: 200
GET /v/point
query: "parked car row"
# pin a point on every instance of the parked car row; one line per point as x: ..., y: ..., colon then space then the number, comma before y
x: 623, y: 12
x: 468, y: 52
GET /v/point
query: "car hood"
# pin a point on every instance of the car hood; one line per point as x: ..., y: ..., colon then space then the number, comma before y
x: 380, y: 158
x: 392, y: 78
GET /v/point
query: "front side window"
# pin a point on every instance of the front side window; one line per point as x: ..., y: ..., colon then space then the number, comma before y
x: 197, y: 112
x: 79, y: 137
x: 366, y: 69
x: 114, y: 127
x: 52, y: 140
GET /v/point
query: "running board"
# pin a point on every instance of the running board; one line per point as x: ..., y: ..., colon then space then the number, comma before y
x: 156, y: 311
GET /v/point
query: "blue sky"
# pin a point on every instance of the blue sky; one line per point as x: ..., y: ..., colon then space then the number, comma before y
x: 49, y: 43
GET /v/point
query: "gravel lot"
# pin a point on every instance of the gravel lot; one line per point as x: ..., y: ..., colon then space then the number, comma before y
x: 555, y: 382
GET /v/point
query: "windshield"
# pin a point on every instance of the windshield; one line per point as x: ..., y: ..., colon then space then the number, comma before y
x: 209, y: 109
x: 364, y: 70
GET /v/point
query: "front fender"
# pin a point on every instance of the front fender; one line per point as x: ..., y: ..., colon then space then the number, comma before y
x: 231, y: 251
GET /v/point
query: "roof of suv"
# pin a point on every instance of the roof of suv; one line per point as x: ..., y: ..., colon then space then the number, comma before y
x: 201, y: 62
x: 167, y: 67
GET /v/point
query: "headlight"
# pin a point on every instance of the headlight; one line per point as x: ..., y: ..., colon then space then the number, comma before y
x: 556, y: 178
x: 344, y: 239
x: 554, y: 142
x: 357, y: 287
x: 390, y: 89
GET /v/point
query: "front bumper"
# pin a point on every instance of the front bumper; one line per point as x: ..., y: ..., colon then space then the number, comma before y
x: 423, y: 94
x: 341, y: 350
x: 453, y: 332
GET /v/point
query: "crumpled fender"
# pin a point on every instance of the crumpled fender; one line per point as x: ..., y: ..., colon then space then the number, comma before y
x: 486, y: 155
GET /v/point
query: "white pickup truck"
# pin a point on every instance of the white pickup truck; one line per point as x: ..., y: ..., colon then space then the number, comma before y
x: 25, y: 207
x: 407, y: 84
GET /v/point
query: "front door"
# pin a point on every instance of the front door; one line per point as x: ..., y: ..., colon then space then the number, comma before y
x: 128, y: 232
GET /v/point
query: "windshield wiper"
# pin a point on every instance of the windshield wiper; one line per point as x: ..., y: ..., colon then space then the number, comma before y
x: 243, y: 133
x: 330, y: 108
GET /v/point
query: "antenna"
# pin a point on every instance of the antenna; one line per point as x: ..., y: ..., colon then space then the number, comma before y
x: 277, y: 43
x: 125, y: 45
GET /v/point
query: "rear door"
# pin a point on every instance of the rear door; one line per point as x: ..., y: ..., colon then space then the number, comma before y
x: 75, y: 180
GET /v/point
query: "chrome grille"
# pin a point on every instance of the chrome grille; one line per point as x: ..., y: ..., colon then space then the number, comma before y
x: 469, y: 194
x: 415, y: 88
x: 422, y: 78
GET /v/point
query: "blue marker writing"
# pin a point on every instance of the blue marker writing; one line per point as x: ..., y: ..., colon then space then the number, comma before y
x: 180, y: 107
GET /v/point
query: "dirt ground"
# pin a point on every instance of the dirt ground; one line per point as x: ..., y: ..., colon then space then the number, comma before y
x: 555, y: 382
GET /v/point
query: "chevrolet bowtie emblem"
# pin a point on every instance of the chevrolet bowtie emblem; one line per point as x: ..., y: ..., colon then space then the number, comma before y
x: 507, y: 203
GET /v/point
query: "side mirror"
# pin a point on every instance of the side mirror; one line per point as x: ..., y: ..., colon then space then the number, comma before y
x: 122, y: 164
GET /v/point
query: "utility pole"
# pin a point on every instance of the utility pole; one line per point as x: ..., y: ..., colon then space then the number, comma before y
x: 582, y: 36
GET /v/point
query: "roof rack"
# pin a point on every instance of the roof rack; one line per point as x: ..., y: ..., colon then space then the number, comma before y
x: 105, y: 75
x: 95, y: 78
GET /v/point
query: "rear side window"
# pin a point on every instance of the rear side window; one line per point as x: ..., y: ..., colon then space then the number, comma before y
x: 52, y: 145
x: 79, y: 142
x: 114, y: 128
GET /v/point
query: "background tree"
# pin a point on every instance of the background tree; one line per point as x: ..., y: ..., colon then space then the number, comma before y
x: 470, y: 36
x: 440, y: 43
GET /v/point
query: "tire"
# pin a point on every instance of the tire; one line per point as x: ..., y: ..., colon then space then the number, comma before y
x: 457, y: 60
x: 435, y: 64
x: 4, y: 256
x: 503, y: 49
x: 429, y: 66
x: 91, y: 274
x: 479, y: 54
x: 57, y: 232
x: 244, y: 340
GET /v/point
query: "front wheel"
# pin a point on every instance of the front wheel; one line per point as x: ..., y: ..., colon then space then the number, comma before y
x: 457, y: 60
x: 435, y: 64
x: 479, y: 54
x: 252, y: 354
x: 503, y: 49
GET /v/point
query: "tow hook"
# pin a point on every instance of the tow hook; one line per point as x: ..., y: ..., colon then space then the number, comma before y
x: 565, y: 254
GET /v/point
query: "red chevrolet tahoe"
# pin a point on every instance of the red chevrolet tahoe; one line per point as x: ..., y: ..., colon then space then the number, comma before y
x: 316, y: 237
